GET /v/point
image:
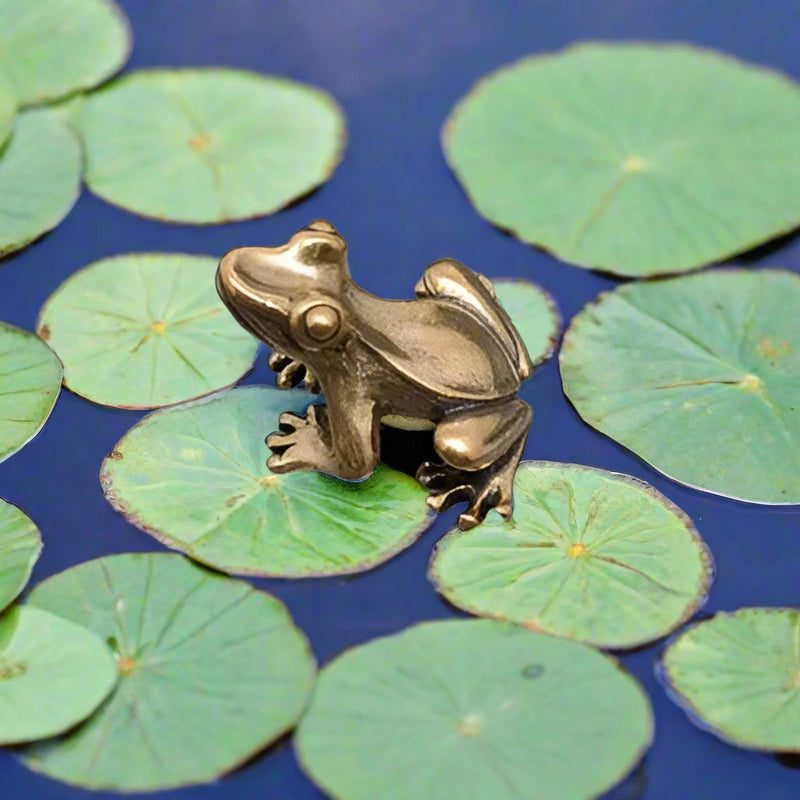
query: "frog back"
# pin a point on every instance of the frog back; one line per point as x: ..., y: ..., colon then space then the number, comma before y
x: 443, y: 347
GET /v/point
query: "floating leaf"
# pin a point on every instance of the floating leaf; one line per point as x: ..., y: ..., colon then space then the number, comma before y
x: 51, y: 48
x: 632, y: 158
x: 31, y: 381
x: 739, y: 676
x: 20, y: 547
x: 534, y: 314
x: 700, y: 376
x: 40, y: 176
x: 473, y: 709
x: 195, y: 477
x: 145, y: 330
x: 53, y: 674
x: 589, y: 554
x: 209, y: 145
x: 211, y: 671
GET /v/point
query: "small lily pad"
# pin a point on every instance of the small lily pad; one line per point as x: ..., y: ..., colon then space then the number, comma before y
x: 699, y: 376
x: 209, y: 145
x: 534, y: 314
x: 631, y: 158
x: 738, y: 675
x: 40, y: 178
x: 53, y: 674
x: 589, y: 554
x: 195, y: 477
x: 31, y: 381
x: 20, y: 547
x: 145, y: 330
x: 473, y: 709
x: 51, y: 48
x: 211, y: 671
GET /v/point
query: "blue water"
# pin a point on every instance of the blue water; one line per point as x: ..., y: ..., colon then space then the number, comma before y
x: 397, y: 68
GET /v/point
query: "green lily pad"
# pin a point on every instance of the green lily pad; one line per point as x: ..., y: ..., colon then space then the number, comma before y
x: 53, y: 674
x: 632, y: 158
x: 589, y: 554
x: 699, y: 376
x: 20, y: 547
x: 195, y: 477
x: 473, y: 709
x: 145, y: 330
x: 211, y: 671
x: 40, y: 177
x: 534, y: 314
x: 31, y: 376
x: 51, y: 48
x: 209, y: 145
x: 738, y: 675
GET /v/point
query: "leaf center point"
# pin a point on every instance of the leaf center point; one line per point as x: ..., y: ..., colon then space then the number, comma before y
x: 200, y: 142
x: 751, y: 383
x: 158, y: 326
x: 126, y: 665
x: 576, y: 550
x: 633, y: 164
x: 470, y: 725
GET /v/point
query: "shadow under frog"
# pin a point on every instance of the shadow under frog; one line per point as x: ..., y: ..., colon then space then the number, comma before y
x: 450, y: 360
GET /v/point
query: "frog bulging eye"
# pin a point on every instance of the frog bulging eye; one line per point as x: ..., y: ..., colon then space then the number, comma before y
x: 322, y: 322
x: 321, y: 251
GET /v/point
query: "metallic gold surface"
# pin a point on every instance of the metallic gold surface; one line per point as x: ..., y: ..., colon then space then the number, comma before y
x: 451, y: 360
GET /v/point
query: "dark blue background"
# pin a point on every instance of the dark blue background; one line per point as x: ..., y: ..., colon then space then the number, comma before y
x: 397, y: 67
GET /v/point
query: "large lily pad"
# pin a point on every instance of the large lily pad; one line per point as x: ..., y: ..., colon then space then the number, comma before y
x: 145, y: 330
x: 195, y: 477
x: 738, y: 675
x: 534, y: 314
x: 40, y: 177
x: 31, y: 381
x: 210, y: 672
x: 51, y: 48
x: 473, y: 709
x: 53, y: 674
x: 20, y: 547
x: 589, y: 554
x: 630, y: 157
x: 700, y: 376
x: 209, y: 145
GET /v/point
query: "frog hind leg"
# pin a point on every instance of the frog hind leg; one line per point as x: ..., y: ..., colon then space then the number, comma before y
x: 481, y: 449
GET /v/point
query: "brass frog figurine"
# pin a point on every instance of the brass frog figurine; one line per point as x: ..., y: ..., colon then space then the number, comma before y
x: 451, y: 360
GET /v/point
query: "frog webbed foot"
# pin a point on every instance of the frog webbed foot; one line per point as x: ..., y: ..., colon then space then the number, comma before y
x: 483, y: 489
x: 299, y: 442
x: 291, y: 373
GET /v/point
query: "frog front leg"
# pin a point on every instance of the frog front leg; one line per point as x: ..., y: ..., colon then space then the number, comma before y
x: 339, y: 438
x: 481, y: 448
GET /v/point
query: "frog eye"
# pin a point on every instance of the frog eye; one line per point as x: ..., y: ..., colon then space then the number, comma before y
x: 322, y: 322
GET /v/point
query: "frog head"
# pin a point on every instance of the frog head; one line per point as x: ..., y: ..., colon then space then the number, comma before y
x: 289, y: 296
